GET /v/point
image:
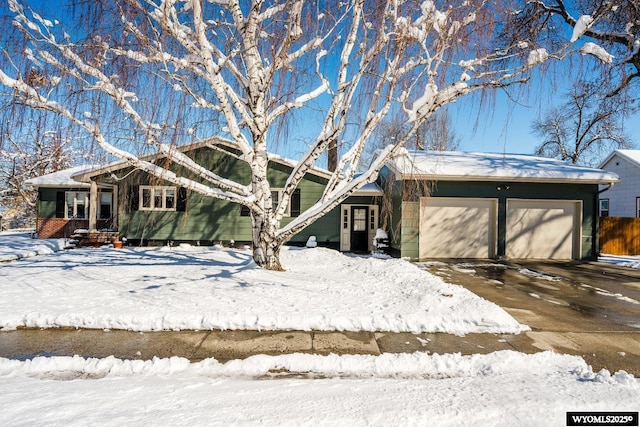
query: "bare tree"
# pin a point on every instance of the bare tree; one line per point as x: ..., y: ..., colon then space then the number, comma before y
x: 148, y: 75
x: 583, y: 130
x: 29, y: 149
x: 607, y: 30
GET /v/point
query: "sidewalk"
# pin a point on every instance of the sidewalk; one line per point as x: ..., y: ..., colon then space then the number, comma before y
x: 228, y: 345
x: 599, y: 349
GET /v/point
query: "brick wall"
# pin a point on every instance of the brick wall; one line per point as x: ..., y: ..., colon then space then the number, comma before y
x: 55, y: 228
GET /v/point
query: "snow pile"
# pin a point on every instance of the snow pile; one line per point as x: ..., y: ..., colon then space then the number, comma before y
x: 537, y: 56
x: 201, y: 288
x: 502, y: 388
x: 582, y: 25
x: 14, y: 246
x: 388, y: 365
x: 625, y: 261
x: 598, y: 51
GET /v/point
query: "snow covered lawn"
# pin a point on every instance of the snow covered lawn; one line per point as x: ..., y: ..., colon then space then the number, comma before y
x: 197, y: 288
x: 499, y: 389
x: 16, y: 245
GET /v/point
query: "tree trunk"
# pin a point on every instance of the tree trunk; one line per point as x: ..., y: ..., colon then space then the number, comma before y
x: 266, y: 248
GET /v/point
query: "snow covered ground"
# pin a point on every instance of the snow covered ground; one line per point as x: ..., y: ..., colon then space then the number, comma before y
x: 499, y: 389
x: 188, y: 287
x: 16, y: 245
x: 197, y: 288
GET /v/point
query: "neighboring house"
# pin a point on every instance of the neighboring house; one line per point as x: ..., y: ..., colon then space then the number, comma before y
x: 623, y: 199
x: 438, y: 205
x: 480, y: 205
x: 148, y: 211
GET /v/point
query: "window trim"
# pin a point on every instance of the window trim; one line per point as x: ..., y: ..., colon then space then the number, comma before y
x: 75, y: 204
x: 153, y: 190
x: 100, y: 204
x: 601, y: 209
x: 276, y: 200
x: 244, y: 211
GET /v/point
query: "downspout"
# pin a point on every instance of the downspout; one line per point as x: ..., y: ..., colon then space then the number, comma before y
x: 595, y: 241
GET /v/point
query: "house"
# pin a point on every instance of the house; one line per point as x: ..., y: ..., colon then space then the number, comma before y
x: 63, y: 203
x: 623, y: 200
x: 148, y: 211
x: 435, y: 205
x: 484, y: 205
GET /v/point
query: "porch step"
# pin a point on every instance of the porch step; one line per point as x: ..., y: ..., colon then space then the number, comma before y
x: 95, y: 239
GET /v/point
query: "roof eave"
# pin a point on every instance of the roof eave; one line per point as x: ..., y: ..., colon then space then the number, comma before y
x: 552, y: 180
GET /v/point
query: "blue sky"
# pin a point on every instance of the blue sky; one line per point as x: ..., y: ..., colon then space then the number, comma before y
x: 501, y: 125
x: 505, y: 126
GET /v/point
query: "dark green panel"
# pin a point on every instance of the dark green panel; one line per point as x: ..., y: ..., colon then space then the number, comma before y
x: 47, y: 202
x: 499, y: 190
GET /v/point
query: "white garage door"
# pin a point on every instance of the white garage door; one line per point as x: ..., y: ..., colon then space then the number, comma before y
x: 543, y: 229
x: 457, y: 227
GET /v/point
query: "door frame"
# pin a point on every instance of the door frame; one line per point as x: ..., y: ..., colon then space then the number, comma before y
x: 345, y: 224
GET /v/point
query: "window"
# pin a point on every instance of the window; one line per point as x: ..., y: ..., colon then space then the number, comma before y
x: 293, y: 209
x: 105, y: 206
x: 360, y: 219
x: 637, y: 207
x: 604, y: 207
x: 345, y: 219
x: 372, y: 220
x: 76, y: 204
x: 157, y: 198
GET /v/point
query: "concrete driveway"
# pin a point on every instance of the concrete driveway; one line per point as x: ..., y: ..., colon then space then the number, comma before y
x: 589, y: 309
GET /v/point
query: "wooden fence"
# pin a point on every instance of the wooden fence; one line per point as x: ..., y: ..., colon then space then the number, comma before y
x: 620, y: 236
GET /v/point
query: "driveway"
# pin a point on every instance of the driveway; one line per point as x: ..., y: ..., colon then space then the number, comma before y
x: 589, y: 309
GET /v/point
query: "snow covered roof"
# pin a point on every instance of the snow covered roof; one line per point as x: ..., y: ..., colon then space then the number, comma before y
x: 63, y: 178
x: 371, y: 189
x: 463, y: 166
x: 631, y: 155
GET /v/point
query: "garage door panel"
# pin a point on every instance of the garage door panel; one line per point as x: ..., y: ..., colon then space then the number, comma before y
x: 457, y: 228
x: 542, y: 229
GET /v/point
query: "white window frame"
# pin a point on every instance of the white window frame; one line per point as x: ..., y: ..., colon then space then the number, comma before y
x: 155, y: 189
x: 79, y: 198
x: 608, y: 206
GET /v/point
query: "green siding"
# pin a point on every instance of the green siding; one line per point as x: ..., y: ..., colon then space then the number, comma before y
x: 581, y: 192
x: 47, y: 202
x: 410, y: 230
x: 210, y: 220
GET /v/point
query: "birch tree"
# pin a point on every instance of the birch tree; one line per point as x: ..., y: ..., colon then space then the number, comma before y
x: 143, y: 76
x: 607, y: 31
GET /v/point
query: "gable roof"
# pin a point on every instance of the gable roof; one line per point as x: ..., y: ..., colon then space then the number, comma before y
x: 80, y: 176
x: 632, y: 156
x: 465, y: 166
x: 63, y: 178
x: 210, y: 142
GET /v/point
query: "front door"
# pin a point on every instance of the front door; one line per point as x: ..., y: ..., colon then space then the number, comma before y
x: 359, y: 229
